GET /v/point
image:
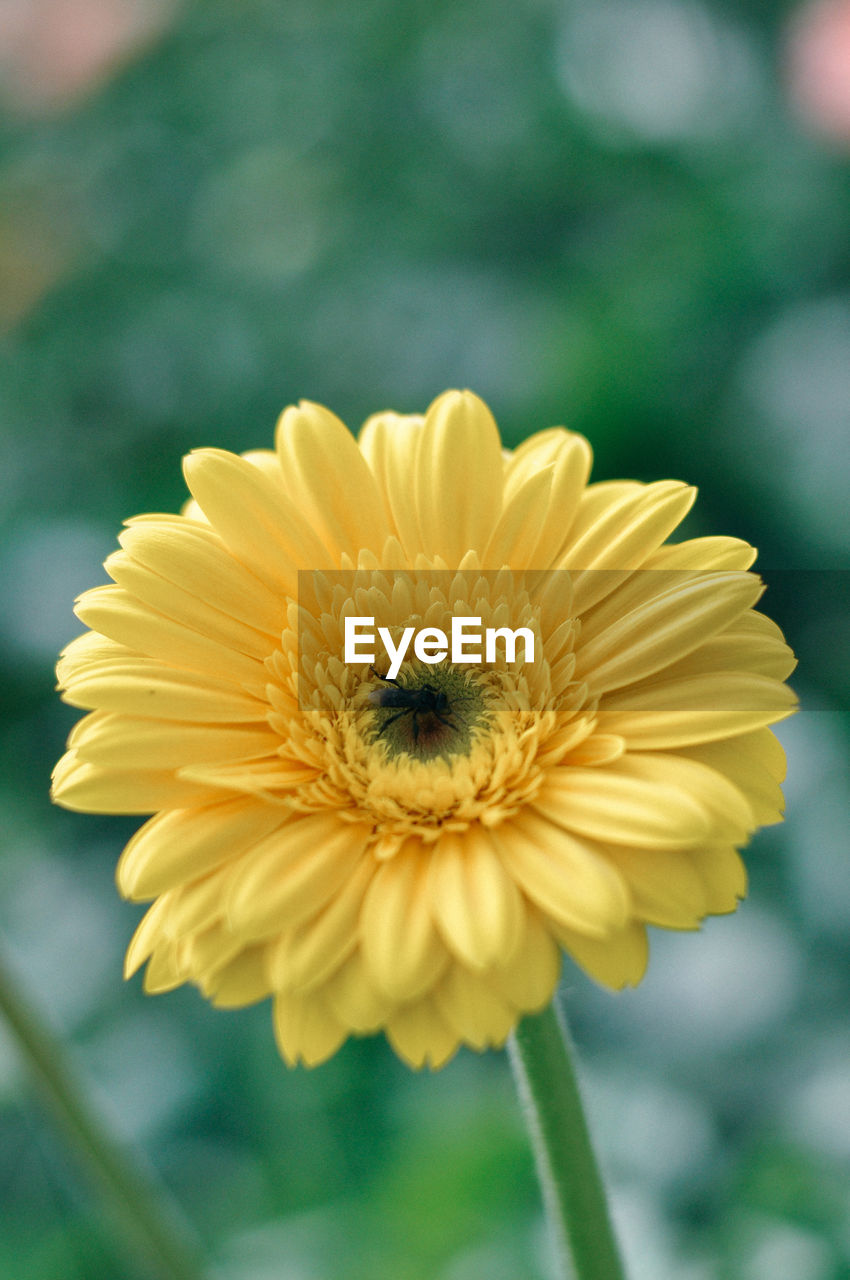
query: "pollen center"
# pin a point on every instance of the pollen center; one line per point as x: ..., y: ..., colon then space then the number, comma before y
x: 437, y: 746
x: 427, y: 711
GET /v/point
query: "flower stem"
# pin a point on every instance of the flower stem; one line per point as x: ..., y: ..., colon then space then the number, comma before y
x: 542, y: 1062
x: 141, y: 1205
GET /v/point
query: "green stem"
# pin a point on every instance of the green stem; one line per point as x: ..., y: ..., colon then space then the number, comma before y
x: 542, y: 1062
x: 141, y: 1205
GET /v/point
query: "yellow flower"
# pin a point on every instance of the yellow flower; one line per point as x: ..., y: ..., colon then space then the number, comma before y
x: 414, y: 857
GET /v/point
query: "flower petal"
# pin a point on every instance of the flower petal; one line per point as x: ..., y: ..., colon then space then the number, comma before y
x: 563, y: 875
x: 319, y: 457
x: 723, y: 876
x: 518, y: 531
x: 197, y: 904
x: 421, y: 1036
x: 755, y: 763
x: 177, y: 845
x: 270, y: 779
x: 305, y: 957
x: 141, y: 687
x: 730, y: 814
x: 205, y: 952
x: 529, y: 980
x: 148, y: 935
x: 293, y: 873
x: 703, y: 553
x: 555, y: 446
x: 751, y: 644
x: 476, y: 904
x: 354, y: 999
x: 619, y: 534
x: 305, y: 1029
x: 401, y: 948
x: 165, y: 970
x: 477, y: 1013
x: 390, y: 444
x: 618, y: 961
x: 187, y: 572
x: 240, y: 982
x: 254, y: 520
x: 117, y: 741
x: 618, y: 802
x: 664, y: 629
x: 90, y: 788
x: 675, y: 713
x: 458, y: 477
x: 666, y: 890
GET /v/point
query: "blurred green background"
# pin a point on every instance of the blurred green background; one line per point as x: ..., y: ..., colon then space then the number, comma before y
x: 630, y: 216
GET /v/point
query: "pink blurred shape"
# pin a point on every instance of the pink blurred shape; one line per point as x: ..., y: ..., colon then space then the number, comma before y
x: 819, y: 66
x: 53, y: 51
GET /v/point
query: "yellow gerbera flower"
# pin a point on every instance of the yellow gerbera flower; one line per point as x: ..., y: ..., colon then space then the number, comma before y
x: 414, y: 856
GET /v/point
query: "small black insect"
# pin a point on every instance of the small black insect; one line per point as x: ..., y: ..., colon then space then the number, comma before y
x: 424, y: 700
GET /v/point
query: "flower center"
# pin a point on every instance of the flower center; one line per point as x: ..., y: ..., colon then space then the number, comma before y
x: 426, y: 712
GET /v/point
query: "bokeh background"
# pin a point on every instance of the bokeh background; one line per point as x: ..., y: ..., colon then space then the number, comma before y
x: 630, y: 216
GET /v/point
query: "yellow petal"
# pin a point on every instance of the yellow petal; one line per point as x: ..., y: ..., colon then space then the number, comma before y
x: 354, y: 999
x: 305, y: 1029
x: 270, y: 779
x: 148, y: 934
x: 665, y: 628
x: 665, y: 888
x: 595, y: 750
x: 703, y: 553
x: 723, y: 876
x: 144, y: 687
x: 569, y: 476
x: 617, y: 802
x: 518, y: 531
x: 195, y: 563
x: 293, y: 873
x: 88, y: 652
x: 476, y: 904
x: 254, y: 520
x: 620, y: 536
x: 206, y: 951
x: 529, y: 980
x: 197, y: 904
x: 553, y: 447
x: 319, y: 457
x: 567, y: 879
x: 458, y: 476
x: 421, y: 1036
x: 474, y: 1009
x: 165, y: 970
x: 305, y: 957
x: 401, y: 948
x: 675, y: 713
x: 750, y: 762
x: 751, y: 644
x: 617, y: 961
x: 390, y: 444
x: 178, y: 845
x: 722, y: 800
x: 117, y: 741
x: 89, y: 788
x: 114, y: 613
x: 240, y: 982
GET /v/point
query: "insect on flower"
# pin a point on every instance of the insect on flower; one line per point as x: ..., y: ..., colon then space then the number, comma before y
x: 423, y: 700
